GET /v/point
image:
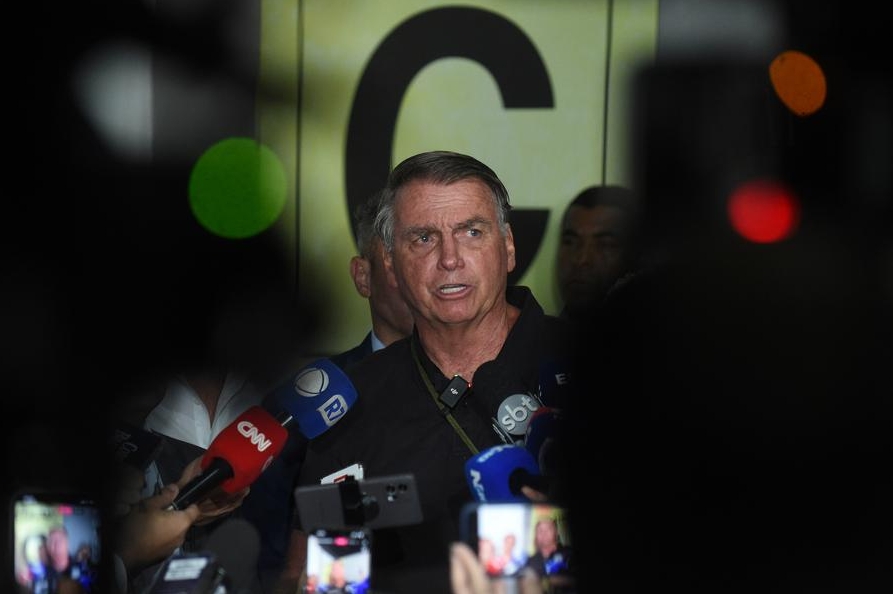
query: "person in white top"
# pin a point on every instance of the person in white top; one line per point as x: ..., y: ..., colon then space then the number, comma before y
x: 197, y: 407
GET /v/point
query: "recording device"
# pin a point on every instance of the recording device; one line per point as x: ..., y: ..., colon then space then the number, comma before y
x: 454, y: 391
x: 499, y: 472
x: 190, y: 573
x: 226, y: 565
x: 44, y: 522
x: 236, y: 457
x: 511, y: 536
x: 318, y: 396
x: 380, y: 502
x: 338, y: 561
x: 134, y: 446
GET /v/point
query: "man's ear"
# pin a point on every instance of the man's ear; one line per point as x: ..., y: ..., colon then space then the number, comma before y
x: 510, y: 248
x: 359, y: 272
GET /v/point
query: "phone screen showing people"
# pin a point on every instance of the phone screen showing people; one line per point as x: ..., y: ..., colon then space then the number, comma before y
x: 338, y: 561
x: 512, y: 536
x: 56, y: 544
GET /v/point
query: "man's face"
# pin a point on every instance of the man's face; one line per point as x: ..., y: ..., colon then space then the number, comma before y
x: 57, y: 547
x: 385, y: 300
x: 546, y: 534
x: 591, y: 255
x: 450, y: 259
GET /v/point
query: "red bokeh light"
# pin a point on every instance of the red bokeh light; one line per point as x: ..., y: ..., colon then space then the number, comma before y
x: 764, y: 211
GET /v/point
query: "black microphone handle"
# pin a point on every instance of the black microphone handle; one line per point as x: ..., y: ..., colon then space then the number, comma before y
x: 195, y: 490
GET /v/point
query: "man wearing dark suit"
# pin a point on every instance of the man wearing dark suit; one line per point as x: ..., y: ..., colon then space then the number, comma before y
x: 391, y: 318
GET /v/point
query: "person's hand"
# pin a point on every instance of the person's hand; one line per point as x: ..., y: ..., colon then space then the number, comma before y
x: 217, y: 503
x: 150, y: 532
x: 534, y: 495
x: 467, y: 575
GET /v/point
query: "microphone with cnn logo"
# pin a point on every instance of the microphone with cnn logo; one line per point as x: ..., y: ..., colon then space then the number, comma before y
x: 236, y: 457
x: 315, y: 398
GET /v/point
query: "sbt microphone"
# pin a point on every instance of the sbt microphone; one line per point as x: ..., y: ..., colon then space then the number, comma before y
x: 237, y: 456
x: 499, y: 472
x: 317, y: 397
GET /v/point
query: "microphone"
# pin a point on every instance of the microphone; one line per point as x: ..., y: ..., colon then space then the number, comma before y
x: 318, y: 396
x: 555, y: 386
x: 499, y: 472
x: 542, y: 438
x: 237, y: 456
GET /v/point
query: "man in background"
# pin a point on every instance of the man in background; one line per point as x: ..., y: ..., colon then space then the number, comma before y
x: 597, y: 248
x: 391, y: 318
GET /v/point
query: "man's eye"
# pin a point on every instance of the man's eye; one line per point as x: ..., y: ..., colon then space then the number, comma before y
x: 474, y: 232
x: 423, y: 238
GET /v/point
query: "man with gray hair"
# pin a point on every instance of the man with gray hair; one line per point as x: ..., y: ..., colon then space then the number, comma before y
x: 469, y: 377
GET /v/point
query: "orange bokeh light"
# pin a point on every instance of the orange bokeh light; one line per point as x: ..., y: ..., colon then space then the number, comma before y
x: 799, y: 82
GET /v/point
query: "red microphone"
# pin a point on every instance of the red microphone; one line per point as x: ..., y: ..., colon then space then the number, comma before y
x: 237, y: 456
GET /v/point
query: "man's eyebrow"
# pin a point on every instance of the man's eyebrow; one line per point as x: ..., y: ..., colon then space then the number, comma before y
x: 419, y: 230
x: 473, y: 222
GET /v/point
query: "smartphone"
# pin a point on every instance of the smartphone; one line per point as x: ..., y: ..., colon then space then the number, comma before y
x: 338, y: 561
x: 380, y: 502
x: 511, y: 536
x: 55, y: 541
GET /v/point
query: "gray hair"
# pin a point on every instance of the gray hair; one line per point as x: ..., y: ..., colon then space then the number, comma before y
x: 441, y: 167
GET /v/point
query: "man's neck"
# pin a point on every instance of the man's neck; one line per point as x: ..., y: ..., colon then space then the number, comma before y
x: 459, y: 349
x: 385, y: 332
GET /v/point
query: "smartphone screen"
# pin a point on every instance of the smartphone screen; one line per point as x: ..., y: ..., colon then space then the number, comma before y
x: 338, y: 561
x: 511, y: 536
x: 56, y: 543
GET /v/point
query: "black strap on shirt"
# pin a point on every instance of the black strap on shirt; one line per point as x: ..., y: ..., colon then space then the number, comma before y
x: 445, y: 411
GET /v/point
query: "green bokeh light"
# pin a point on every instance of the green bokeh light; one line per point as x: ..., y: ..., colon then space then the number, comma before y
x: 237, y: 188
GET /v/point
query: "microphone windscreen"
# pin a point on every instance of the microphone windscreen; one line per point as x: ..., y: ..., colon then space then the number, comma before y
x: 555, y: 383
x: 236, y: 545
x: 497, y: 473
x: 543, y: 430
x: 249, y: 444
x: 317, y: 397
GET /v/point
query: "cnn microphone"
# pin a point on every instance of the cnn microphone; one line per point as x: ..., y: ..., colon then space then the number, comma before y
x: 317, y: 397
x: 499, y: 472
x: 237, y: 456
